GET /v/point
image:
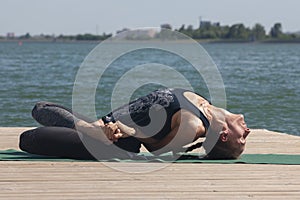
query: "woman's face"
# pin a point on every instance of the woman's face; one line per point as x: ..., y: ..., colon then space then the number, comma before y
x: 233, y: 126
x: 237, y: 128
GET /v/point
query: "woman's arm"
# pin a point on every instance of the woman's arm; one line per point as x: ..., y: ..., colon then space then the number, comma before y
x: 186, y: 128
x: 96, y: 131
x: 106, y: 133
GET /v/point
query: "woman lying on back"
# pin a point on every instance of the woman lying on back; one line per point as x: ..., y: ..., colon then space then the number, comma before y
x: 164, y: 120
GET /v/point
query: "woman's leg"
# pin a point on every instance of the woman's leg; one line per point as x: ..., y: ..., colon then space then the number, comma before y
x: 66, y: 143
x: 54, y: 141
x: 51, y: 114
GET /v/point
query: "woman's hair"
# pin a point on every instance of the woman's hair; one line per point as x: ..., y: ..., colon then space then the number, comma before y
x: 213, y: 145
x: 221, y: 150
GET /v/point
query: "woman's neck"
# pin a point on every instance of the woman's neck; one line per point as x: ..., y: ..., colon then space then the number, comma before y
x: 217, y: 118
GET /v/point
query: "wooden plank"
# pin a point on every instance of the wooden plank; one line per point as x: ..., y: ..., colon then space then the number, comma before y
x: 95, y: 180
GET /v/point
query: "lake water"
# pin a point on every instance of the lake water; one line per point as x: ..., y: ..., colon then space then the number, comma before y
x: 261, y: 80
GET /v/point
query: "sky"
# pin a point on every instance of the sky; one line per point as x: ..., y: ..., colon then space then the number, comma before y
x: 70, y: 17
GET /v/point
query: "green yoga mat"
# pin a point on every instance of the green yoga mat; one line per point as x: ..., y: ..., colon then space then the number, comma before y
x: 281, y: 159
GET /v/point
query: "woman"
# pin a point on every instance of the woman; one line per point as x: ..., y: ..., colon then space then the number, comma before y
x: 164, y: 120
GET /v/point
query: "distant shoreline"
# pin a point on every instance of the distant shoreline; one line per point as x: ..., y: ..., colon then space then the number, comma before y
x: 210, y: 41
x: 47, y: 41
x: 267, y: 41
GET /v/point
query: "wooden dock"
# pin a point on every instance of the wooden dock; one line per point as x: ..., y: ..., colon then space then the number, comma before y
x: 95, y: 180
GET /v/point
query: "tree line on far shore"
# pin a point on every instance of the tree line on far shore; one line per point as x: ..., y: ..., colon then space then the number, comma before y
x: 237, y: 32
x: 206, y: 31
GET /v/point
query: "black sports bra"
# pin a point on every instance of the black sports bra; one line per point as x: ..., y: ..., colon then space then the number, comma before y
x: 187, y: 105
x: 136, y: 113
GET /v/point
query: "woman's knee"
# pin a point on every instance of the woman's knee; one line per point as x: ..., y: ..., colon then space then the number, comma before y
x: 26, y: 140
x: 38, y: 108
x: 51, y: 114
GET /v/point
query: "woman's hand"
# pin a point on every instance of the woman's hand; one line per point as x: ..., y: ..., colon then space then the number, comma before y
x: 112, y: 131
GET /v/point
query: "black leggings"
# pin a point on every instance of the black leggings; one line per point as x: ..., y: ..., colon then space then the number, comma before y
x: 60, y: 139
